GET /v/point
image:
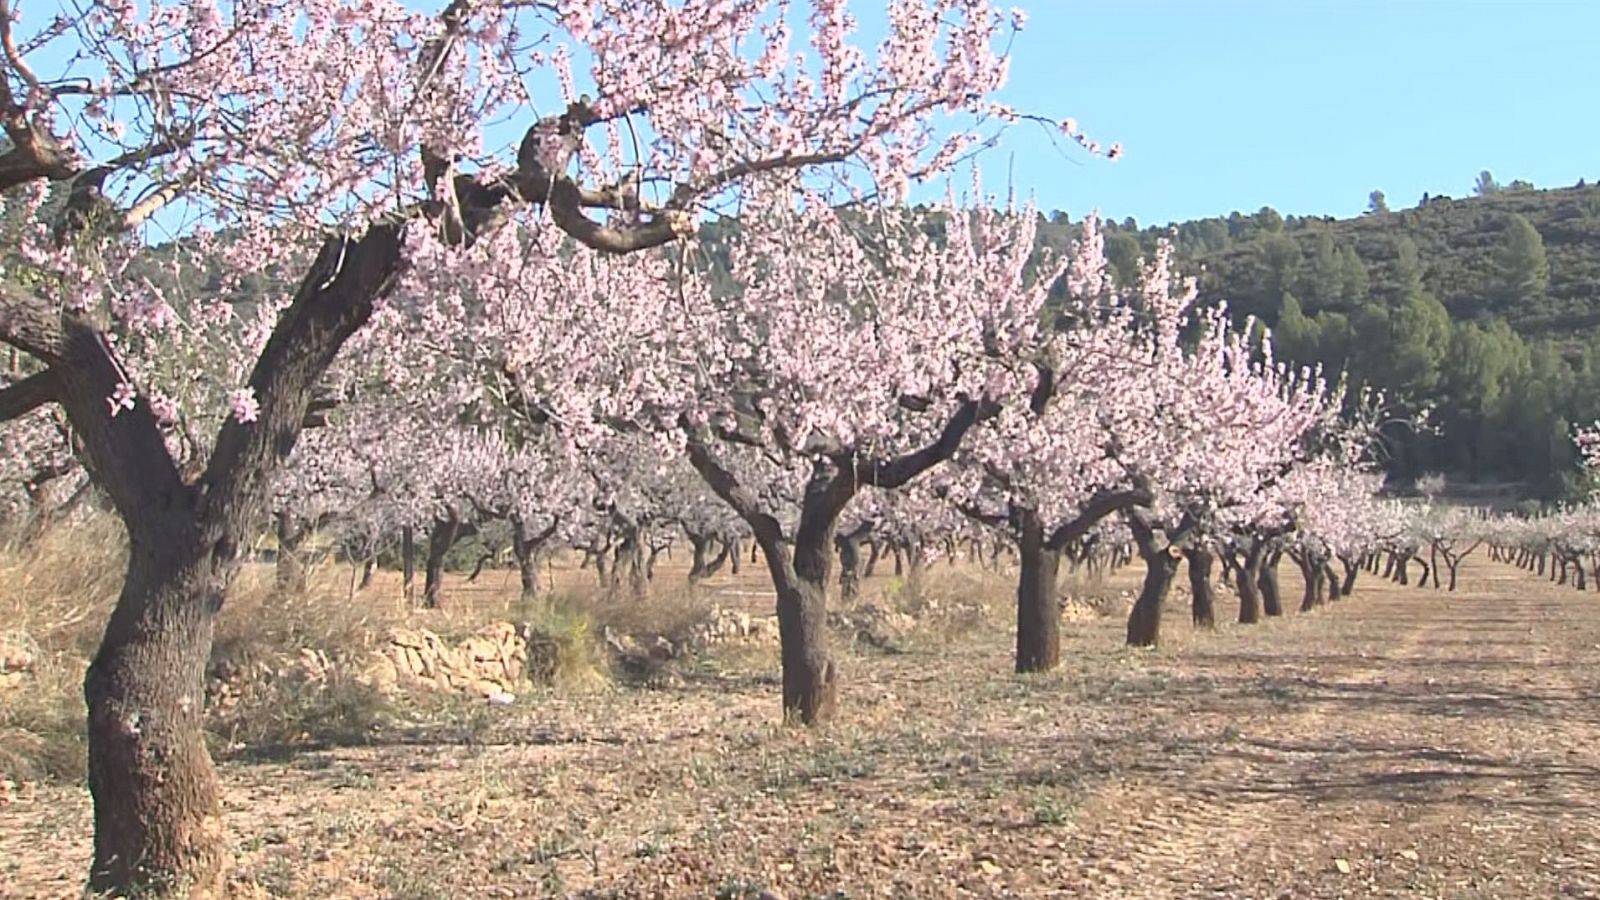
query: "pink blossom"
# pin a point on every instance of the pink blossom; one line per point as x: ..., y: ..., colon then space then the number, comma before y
x: 243, y: 405
x: 122, y: 397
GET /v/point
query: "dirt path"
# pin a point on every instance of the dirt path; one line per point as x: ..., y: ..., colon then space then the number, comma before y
x: 1421, y: 745
x: 1403, y: 743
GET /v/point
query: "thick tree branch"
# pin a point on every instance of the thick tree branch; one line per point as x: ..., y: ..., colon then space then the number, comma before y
x: 29, y: 394
x: 31, y: 324
x: 896, y: 472
x: 335, y: 298
x: 122, y: 448
x: 725, y: 485
x: 1098, y: 508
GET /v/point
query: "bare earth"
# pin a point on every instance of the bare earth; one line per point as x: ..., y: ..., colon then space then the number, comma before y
x: 1401, y: 743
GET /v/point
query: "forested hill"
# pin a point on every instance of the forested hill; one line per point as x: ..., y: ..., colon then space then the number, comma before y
x: 1485, y: 309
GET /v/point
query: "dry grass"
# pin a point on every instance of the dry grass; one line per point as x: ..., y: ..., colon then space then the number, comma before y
x: 1399, y: 743
x: 58, y: 593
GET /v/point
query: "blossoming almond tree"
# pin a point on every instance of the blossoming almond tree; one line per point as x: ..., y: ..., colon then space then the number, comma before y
x: 326, y: 138
x: 868, y: 364
x: 838, y: 351
x: 1231, y: 420
x: 1046, y: 471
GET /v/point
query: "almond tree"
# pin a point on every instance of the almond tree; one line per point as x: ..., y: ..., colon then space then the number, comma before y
x: 844, y: 351
x: 332, y: 140
x: 1047, y: 471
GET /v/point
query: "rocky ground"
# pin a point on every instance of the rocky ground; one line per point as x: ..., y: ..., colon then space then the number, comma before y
x: 1402, y: 743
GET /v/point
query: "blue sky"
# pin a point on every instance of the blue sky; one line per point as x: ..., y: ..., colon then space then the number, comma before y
x: 1303, y: 105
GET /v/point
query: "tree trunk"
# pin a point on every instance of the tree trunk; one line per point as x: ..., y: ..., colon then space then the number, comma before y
x: 1248, y: 583
x: 444, y: 535
x: 1203, y: 607
x: 1161, y: 566
x: 1351, y: 570
x: 699, y: 558
x: 525, y: 545
x: 290, y: 572
x: 735, y: 550
x: 874, y: 550
x: 368, y: 567
x: 408, y: 564
x: 810, y: 681
x: 1330, y: 581
x: 157, y: 813
x: 1271, y: 604
x: 630, y: 556
x: 1038, y: 613
x: 477, y: 567
x: 1311, y: 571
x: 849, y: 567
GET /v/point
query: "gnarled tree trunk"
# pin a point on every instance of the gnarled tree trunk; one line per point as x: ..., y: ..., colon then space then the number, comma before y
x: 800, y: 576
x: 1351, y: 570
x: 408, y: 564
x: 1161, y: 566
x: 1311, y: 571
x: 1038, y: 613
x: 1203, y: 605
x: 1248, y: 582
x: 1271, y: 604
x: 158, y: 816
x: 444, y: 535
x: 525, y: 544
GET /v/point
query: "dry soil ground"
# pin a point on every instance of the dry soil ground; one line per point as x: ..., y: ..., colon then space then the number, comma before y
x: 1400, y: 743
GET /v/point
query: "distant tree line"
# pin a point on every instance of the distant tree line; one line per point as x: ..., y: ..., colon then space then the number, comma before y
x: 1482, y: 311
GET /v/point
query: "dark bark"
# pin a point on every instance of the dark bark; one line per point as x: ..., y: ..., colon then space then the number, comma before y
x: 849, y: 545
x: 368, y: 567
x: 1161, y: 561
x: 478, y: 565
x: 874, y: 550
x: 1203, y: 605
x: 525, y: 544
x: 1330, y: 581
x: 631, y: 555
x: 1311, y: 571
x: 1271, y: 602
x: 1038, y: 612
x: 158, y: 818
x: 700, y: 565
x: 735, y: 549
x: 1248, y: 582
x: 1351, y: 570
x: 444, y: 535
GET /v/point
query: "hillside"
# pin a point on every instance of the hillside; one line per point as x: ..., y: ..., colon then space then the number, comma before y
x: 1456, y: 242
x: 1479, y: 312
